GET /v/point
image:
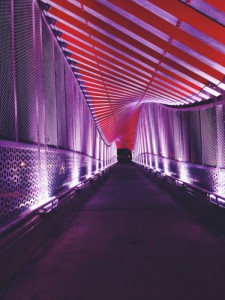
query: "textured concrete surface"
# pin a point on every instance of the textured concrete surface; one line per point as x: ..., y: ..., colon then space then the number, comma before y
x: 129, y: 240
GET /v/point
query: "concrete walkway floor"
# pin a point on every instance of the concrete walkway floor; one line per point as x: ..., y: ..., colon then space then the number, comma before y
x: 130, y: 240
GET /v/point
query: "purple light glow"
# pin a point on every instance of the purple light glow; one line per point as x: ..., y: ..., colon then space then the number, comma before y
x: 55, y: 142
x: 185, y: 145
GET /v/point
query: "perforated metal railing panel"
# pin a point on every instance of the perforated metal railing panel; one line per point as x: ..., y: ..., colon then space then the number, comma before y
x: 19, y: 180
x: 193, y: 144
x: 195, y: 138
x: 49, y: 85
x: 77, y: 120
x: 70, y: 107
x: 39, y: 75
x: 220, y: 124
x: 25, y: 71
x: 49, y: 141
x: 185, y: 136
x: 7, y: 109
x: 209, y: 138
x: 60, y: 97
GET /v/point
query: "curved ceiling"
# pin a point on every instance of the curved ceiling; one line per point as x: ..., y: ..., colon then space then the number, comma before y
x: 127, y: 53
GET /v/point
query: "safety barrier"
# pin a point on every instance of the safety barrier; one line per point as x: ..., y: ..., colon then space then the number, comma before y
x: 49, y: 141
x: 185, y: 144
x: 22, y: 237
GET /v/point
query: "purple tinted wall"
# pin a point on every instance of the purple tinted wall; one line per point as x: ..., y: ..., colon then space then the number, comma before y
x: 185, y: 144
x: 48, y: 139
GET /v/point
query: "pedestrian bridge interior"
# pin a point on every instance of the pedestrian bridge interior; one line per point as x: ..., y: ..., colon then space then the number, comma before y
x: 79, y: 81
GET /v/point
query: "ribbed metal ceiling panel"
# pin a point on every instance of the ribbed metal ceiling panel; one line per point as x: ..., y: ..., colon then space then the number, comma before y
x: 127, y: 53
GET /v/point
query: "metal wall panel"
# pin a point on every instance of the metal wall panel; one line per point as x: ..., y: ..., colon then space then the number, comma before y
x: 177, y: 136
x: 19, y: 180
x: 60, y: 97
x: 185, y: 136
x: 85, y: 123
x: 52, y: 114
x: 70, y: 105
x: 220, y: 124
x: 81, y: 121
x: 78, y: 120
x: 7, y: 104
x: 25, y: 71
x: 168, y: 119
x: 49, y: 85
x: 209, y: 138
x: 195, y: 138
x: 39, y: 75
x: 194, y: 144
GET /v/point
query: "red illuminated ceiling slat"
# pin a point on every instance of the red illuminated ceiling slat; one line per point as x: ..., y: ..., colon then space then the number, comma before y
x: 154, y: 65
x: 175, y: 84
x: 107, y: 84
x: 172, y: 94
x: 92, y: 87
x: 106, y: 112
x: 219, y: 4
x: 108, y: 68
x: 113, y: 61
x: 115, y: 90
x: 169, y: 87
x: 140, y: 67
x: 124, y: 66
x: 77, y: 56
x: 100, y: 113
x: 162, y: 96
x: 108, y: 80
x: 173, y: 64
x: 163, y: 92
x: 106, y: 77
x: 194, y: 18
x: 111, y: 94
x: 107, y: 120
x: 156, y: 99
x: 97, y: 88
x: 159, y: 23
x: 132, y: 78
x: 104, y: 105
x: 173, y: 32
x: 104, y: 71
x: 122, y: 74
x: 93, y: 80
x: 61, y: 14
x: 98, y: 53
x: 119, y: 92
x: 126, y: 98
x: 94, y: 92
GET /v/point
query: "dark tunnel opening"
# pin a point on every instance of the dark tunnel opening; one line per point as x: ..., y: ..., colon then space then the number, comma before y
x: 124, y: 155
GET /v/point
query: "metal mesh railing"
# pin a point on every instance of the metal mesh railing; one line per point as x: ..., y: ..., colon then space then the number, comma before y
x: 49, y: 85
x: 48, y: 139
x: 25, y: 72
x: 7, y: 103
x: 193, y: 142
